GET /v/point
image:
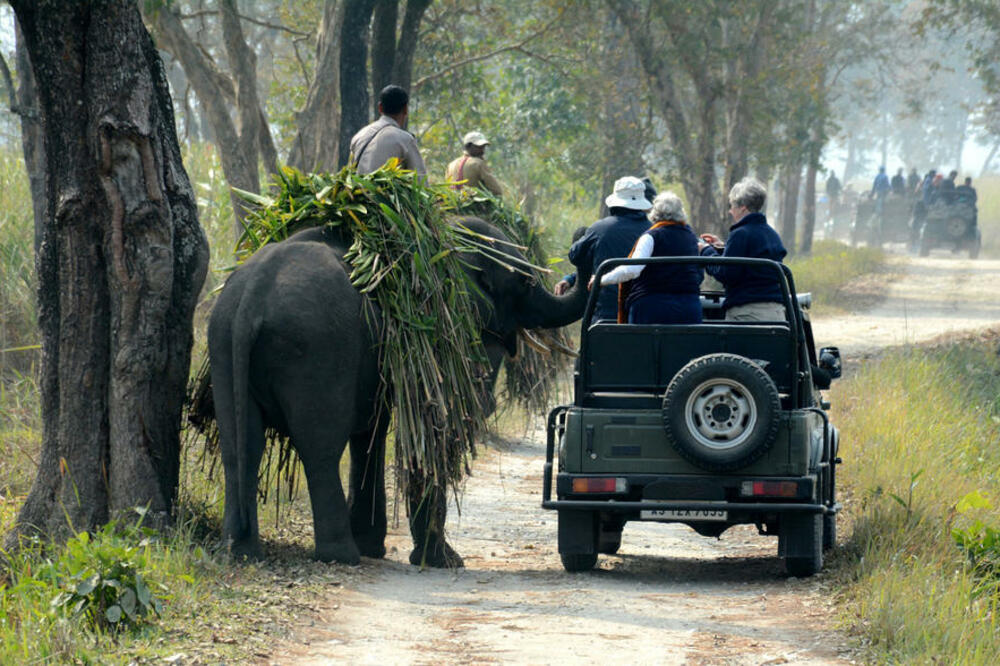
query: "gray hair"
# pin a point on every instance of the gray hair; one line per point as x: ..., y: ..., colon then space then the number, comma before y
x: 667, y: 206
x: 749, y: 192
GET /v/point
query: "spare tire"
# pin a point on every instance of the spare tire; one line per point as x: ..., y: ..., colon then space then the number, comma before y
x: 721, y: 412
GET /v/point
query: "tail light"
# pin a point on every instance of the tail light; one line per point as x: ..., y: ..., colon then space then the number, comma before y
x: 769, y: 489
x: 590, y: 484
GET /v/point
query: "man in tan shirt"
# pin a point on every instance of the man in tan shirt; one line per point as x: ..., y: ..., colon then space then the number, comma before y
x: 385, y: 138
x: 471, y: 167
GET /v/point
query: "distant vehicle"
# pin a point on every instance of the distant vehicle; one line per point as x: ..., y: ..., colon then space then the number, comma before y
x: 953, y: 224
x: 711, y: 425
x: 839, y: 214
x: 893, y: 226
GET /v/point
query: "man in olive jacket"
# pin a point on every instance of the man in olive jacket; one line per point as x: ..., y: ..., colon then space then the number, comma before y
x: 471, y: 167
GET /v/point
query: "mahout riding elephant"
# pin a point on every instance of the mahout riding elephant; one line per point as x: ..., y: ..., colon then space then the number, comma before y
x: 293, y: 346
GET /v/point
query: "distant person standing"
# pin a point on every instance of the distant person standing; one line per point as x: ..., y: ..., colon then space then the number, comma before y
x: 471, y: 167
x: 946, y: 189
x: 898, y: 183
x: 833, y: 188
x: 880, y: 188
x: 912, y: 181
x: 377, y: 143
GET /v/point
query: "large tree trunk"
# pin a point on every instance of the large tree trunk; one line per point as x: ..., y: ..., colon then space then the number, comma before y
x: 121, y: 263
x: 353, y: 72
x: 406, y: 47
x: 384, y: 18
x: 315, y: 145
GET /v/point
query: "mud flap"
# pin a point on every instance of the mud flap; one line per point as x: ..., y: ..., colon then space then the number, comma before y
x: 577, y: 532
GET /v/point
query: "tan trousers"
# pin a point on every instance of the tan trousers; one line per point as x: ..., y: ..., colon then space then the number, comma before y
x: 763, y: 311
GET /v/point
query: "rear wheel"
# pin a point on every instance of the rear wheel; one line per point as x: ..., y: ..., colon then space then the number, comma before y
x: 609, y: 537
x: 576, y: 562
x: 578, y: 539
x: 804, y: 535
x: 975, y: 246
x: 829, y: 531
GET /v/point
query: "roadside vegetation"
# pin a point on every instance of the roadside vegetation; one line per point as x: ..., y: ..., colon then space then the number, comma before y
x: 838, y: 275
x: 921, y: 443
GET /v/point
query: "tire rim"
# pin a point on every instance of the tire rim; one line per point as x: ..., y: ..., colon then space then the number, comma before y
x: 720, y: 414
x: 955, y: 227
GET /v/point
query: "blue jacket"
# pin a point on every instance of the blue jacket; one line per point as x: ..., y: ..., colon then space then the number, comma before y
x: 881, y: 185
x: 750, y: 237
x: 610, y: 238
x: 671, y: 241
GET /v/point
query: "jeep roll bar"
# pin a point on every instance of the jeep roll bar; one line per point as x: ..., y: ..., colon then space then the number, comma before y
x: 793, y: 312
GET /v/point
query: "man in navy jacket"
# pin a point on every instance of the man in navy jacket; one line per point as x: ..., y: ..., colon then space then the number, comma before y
x: 752, y: 294
x: 612, y: 238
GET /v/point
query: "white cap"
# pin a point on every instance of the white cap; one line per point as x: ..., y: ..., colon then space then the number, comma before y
x: 476, y: 138
x: 629, y: 192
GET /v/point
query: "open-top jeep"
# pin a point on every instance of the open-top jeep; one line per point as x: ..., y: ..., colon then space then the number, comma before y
x: 712, y: 425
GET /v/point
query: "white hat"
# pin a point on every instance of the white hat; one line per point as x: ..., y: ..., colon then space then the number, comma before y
x: 475, y: 138
x: 629, y: 193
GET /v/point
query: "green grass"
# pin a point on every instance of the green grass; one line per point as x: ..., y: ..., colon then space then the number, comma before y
x: 988, y: 190
x: 831, y: 271
x: 919, y: 432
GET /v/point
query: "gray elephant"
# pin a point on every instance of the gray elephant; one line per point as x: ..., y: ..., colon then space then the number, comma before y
x: 292, y: 346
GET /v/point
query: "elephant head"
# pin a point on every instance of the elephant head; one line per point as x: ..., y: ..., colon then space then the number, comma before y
x: 515, y: 301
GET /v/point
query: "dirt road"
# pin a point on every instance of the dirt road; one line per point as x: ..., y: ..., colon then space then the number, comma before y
x: 669, y: 597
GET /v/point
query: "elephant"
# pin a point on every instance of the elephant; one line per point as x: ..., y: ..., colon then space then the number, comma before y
x: 293, y: 346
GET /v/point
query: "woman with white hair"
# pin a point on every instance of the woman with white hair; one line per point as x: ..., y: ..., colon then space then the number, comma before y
x: 660, y: 293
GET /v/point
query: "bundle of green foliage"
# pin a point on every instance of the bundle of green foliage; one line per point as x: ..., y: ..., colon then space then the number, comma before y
x: 406, y: 241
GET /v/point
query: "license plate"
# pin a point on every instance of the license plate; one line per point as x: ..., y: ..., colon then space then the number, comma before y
x: 684, y: 514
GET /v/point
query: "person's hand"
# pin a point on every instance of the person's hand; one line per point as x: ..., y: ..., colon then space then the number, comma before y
x: 713, y: 240
x: 561, y: 288
x: 590, y: 283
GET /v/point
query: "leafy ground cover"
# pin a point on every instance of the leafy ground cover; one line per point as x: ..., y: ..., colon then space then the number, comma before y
x: 920, y: 433
x: 840, y: 277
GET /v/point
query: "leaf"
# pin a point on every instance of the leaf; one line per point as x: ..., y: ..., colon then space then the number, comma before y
x: 127, y: 602
x: 88, y: 585
x: 113, y: 614
x: 142, y: 591
x: 973, y: 500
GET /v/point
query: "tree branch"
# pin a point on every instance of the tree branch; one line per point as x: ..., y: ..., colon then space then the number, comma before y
x: 486, y: 56
x: 248, y: 19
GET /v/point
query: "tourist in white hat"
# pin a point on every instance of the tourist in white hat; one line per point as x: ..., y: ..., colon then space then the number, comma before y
x: 611, y: 238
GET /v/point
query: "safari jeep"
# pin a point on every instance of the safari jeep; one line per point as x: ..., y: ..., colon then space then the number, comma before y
x: 710, y: 425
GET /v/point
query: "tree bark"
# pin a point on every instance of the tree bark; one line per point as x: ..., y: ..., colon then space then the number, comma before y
x: 790, y: 204
x: 354, y: 107
x: 809, y: 211
x: 121, y: 263
x: 315, y: 145
x: 385, y: 15
x: 240, y: 148
x: 409, y: 37
x: 31, y: 136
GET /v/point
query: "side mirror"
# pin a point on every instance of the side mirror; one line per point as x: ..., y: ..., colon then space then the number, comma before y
x: 829, y: 360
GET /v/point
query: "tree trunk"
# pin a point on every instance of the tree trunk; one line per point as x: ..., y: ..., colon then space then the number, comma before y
x: 809, y: 212
x: 353, y: 72
x: 315, y: 145
x: 121, y: 263
x: 409, y: 36
x: 790, y: 204
x: 31, y: 136
x: 989, y: 158
x: 384, y: 18
x: 239, y: 149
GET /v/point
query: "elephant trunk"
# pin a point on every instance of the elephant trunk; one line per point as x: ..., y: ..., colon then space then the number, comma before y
x: 546, y: 310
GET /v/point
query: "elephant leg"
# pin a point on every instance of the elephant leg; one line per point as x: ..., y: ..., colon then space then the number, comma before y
x: 366, y: 494
x: 321, y: 450
x: 239, y: 524
x: 427, y: 506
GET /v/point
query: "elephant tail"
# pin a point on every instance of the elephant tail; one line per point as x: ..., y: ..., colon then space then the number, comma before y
x: 246, y: 326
